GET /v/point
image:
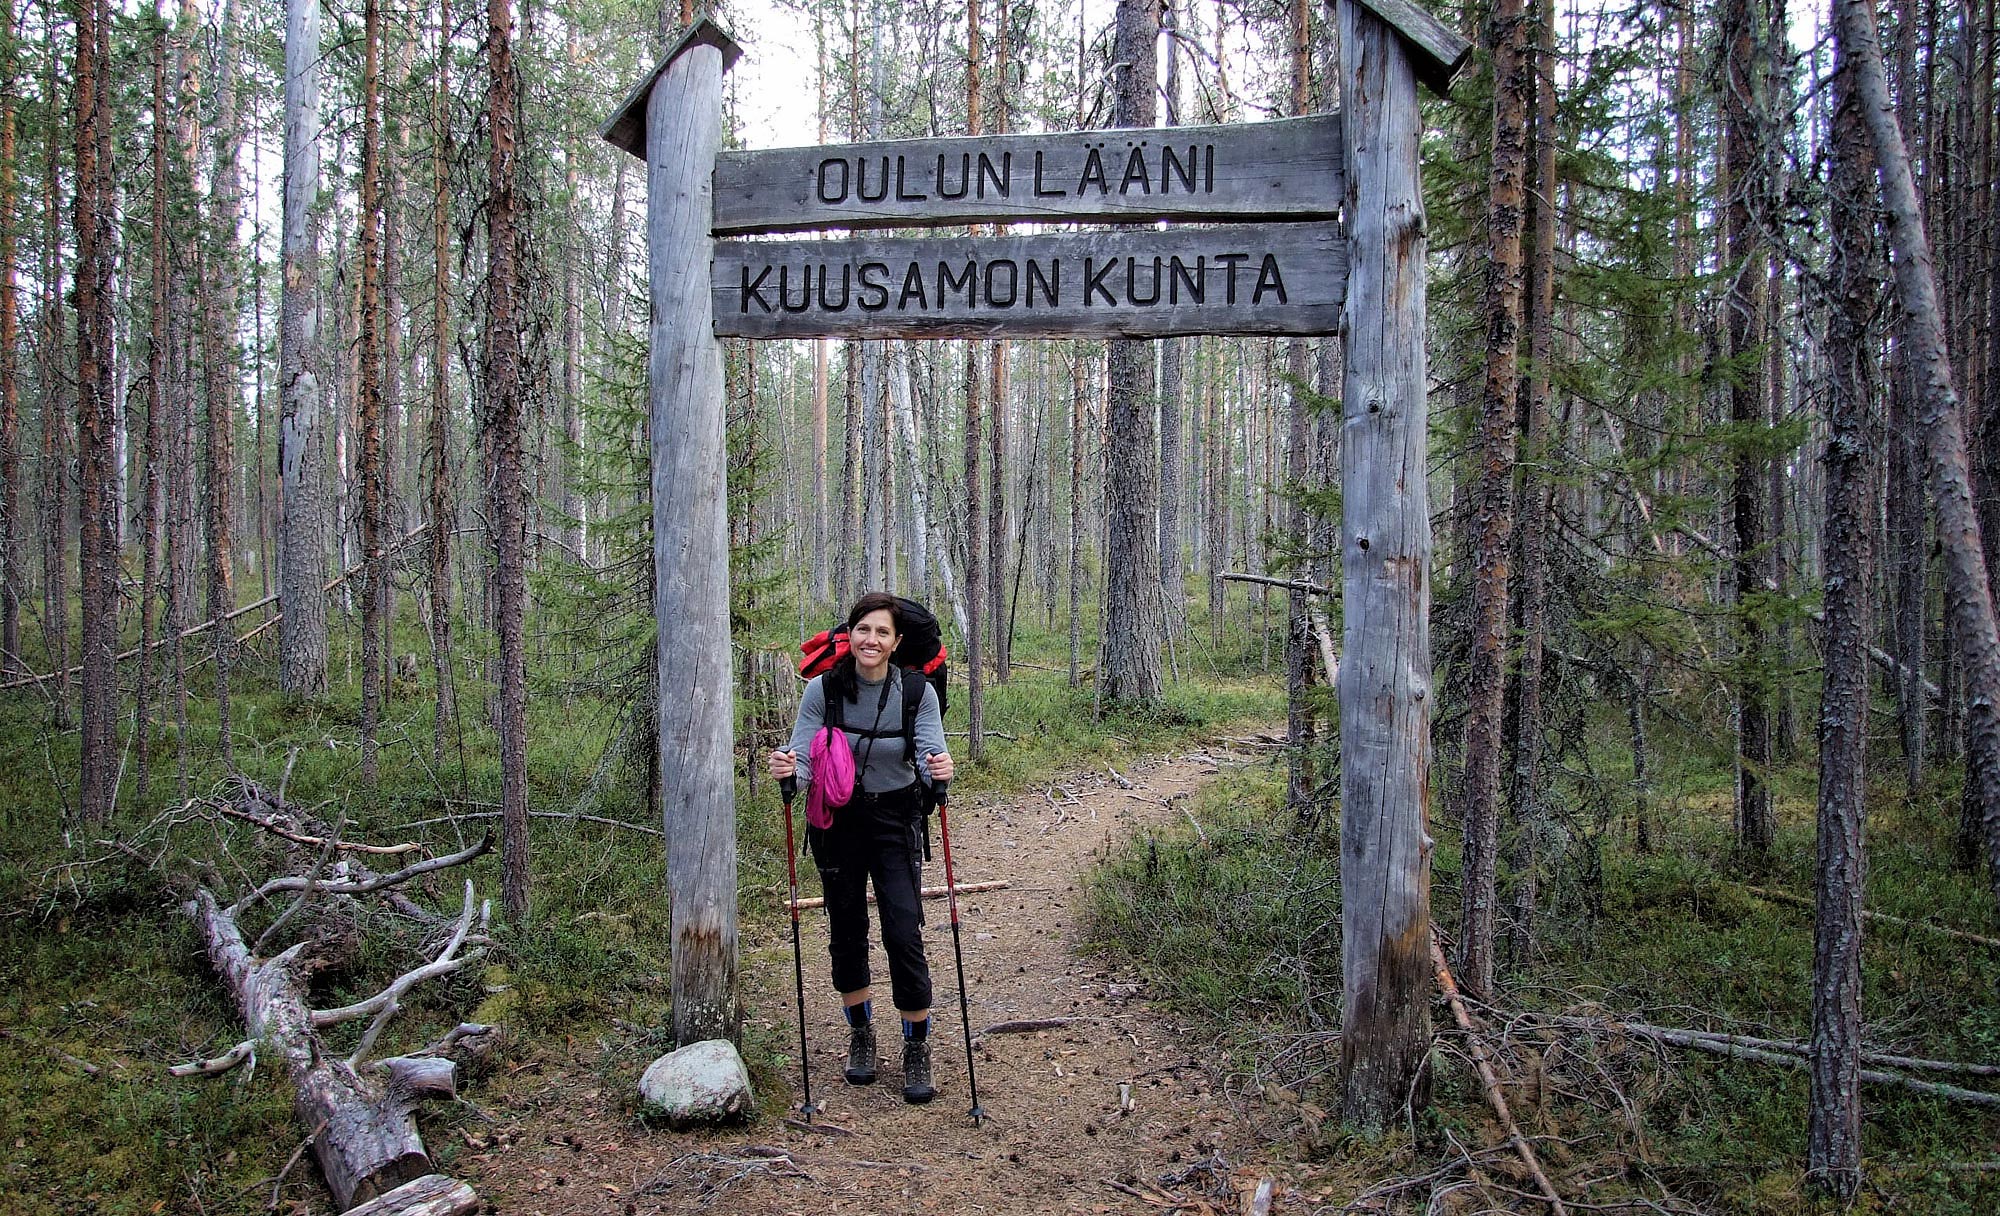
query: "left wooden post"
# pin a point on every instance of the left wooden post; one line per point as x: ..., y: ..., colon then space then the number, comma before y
x: 678, y: 111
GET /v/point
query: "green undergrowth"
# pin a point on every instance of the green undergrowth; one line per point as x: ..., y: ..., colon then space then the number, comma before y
x: 100, y: 970
x: 1240, y: 930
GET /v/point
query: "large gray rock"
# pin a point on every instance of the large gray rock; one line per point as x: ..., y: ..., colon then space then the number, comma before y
x: 703, y: 1082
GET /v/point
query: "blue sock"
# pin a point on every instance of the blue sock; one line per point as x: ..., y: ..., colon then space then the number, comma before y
x: 862, y: 1014
x: 916, y: 1032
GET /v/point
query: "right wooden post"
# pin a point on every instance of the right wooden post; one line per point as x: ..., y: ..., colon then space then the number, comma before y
x: 1385, y: 673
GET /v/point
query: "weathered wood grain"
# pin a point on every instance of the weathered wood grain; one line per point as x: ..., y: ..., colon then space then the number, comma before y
x: 691, y: 548
x: 430, y: 1195
x: 1240, y: 279
x: 1437, y: 52
x: 1385, y: 672
x: 626, y: 128
x: 1290, y: 169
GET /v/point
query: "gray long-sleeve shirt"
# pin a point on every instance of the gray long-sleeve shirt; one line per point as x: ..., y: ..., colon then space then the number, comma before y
x: 881, y: 763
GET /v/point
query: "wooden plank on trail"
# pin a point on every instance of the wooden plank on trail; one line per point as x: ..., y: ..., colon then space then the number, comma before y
x: 1289, y: 169
x: 1243, y: 279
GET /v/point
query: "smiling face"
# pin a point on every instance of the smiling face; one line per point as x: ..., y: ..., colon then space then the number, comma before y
x: 872, y: 639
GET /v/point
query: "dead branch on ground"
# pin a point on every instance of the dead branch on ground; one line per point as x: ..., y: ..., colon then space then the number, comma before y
x: 1494, y: 1097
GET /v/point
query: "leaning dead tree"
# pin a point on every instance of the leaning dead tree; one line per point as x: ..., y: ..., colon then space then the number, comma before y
x: 359, y: 1109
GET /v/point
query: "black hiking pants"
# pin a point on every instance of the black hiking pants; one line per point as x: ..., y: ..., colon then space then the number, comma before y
x: 879, y: 837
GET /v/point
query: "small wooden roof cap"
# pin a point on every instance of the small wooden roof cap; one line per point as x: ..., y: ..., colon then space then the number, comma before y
x: 1437, y: 52
x: 627, y: 127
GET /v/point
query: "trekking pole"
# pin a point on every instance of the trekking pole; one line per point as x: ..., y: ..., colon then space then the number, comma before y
x: 957, y: 950
x: 789, y: 788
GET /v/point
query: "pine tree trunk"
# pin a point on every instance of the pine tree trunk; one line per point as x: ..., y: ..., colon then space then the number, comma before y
x: 54, y: 504
x: 369, y: 411
x: 443, y: 506
x: 1524, y: 783
x: 1132, y: 627
x: 302, y: 641
x: 1969, y: 594
x: 156, y: 407
x: 97, y: 505
x: 11, y: 573
x: 1743, y: 307
x: 1494, y: 529
x: 505, y: 424
x: 1834, y: 1120
x: 220, y: 364
x: 975, y: 570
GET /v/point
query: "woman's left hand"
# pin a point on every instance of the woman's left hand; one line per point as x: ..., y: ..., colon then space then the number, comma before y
x: 939, y: 764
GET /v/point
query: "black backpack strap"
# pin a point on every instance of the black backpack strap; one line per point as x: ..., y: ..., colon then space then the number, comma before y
x: 914, y: 684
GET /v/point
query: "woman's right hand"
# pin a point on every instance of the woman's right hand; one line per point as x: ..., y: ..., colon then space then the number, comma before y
x: 783, y: 765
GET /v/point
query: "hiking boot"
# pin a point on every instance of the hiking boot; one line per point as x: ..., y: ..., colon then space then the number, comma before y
x: 917, y: 1088
x: 861, y: 1054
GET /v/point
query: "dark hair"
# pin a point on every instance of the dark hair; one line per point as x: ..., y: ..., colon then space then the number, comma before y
x: 842, y: 681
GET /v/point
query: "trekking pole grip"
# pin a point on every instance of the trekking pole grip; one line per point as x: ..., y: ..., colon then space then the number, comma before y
x: 788, y: 789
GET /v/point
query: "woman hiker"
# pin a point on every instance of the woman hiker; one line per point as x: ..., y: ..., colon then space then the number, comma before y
x: 878, y: 834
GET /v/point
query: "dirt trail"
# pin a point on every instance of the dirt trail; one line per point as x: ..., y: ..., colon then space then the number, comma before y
x: 1055, y: 1138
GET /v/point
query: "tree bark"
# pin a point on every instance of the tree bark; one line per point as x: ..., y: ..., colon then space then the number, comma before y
x: 691, y: 548
x: 1132, y: 627
x: 1969, y: 594
x: 97, y: 503
x: 1385, y: 677
x: 302, y: 643
x: 1533, y: 507
x: 1494, y: 527
x: 975, y: 569
x: 369, y: 413
x: 1742, y: 93
x: 443, y: 505
x: 11, y: 573
x: 1834, y: 1120
x: 220, y: 365
x: 54, y: 509
x: 505, y: 423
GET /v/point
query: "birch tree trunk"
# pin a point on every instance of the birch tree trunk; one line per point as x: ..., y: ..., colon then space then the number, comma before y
x: 1385, y: 676
x: 691, y: 548
x: 934, y: 547
x: 302, y: 647
x: 1834, y: 1120
x: 1968, y: 593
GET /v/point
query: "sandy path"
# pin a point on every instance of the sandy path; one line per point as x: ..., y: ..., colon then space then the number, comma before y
x: 1055, y: 1138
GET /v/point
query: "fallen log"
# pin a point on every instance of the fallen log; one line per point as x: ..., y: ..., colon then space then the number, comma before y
x: 1800, y: 901
x: 1736, y: 1049
x: 430, y: 1195
x: 365, y: 1135
x: 1792, y: 1047
x: 1487, y: 1077
x: 964, y: 888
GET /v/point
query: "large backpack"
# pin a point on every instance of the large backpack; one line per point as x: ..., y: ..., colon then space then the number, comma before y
x: 922, y: 649
x: 920, y: 657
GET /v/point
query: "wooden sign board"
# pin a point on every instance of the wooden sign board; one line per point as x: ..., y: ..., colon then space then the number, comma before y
x: 1289, y: 169
x: 1240, y: 279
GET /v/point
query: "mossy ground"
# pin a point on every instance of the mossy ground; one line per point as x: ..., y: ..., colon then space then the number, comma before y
x: 1242, y: 931
x: 98, y: 966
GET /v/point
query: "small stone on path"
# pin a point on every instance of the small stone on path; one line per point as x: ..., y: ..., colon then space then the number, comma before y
x: 703, y: 1082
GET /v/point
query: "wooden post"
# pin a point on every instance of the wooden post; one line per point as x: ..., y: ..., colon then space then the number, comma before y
x: 1385, y: 676
x: 682, y: 108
